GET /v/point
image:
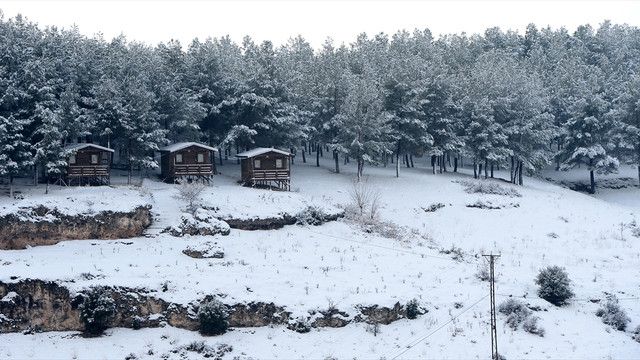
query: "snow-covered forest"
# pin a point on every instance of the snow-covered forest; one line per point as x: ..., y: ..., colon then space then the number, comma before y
x: 501, y: 99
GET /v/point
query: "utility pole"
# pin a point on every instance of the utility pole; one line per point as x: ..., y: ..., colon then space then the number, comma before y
x: 492, y: 292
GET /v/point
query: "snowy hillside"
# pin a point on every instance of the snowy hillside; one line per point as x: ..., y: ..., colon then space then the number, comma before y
x: 435, y: 230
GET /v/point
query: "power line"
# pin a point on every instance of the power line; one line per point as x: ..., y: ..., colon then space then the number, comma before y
x: 410, y: 346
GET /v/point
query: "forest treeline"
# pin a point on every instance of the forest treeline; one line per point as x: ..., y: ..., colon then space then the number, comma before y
x: 516, y: 101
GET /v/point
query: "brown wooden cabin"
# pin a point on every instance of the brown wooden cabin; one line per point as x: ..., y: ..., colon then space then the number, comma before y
x: 88, y: 164
x: 266, y: 167
x: 187, y: 160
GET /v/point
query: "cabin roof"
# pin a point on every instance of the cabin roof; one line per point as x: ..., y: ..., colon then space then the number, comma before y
x: 81, y: 146
x: 260, y: 151
x: 183, y: 145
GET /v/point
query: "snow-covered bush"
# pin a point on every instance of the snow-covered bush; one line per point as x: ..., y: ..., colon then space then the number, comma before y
x: 530, y: 325
x: 365, y: 199
x: 213, y: 316
x: 483, y: 272
x: 190, y: 191
x: 201, y: 223
x: 488, y: 187
x: 412, y: 309
x: 311, y: 215
x: 613, y: 315
x: 300, y: 325
x: 96, y: 310
x: 555, y: 286
x: 636, y: 334
x: 516, y: 312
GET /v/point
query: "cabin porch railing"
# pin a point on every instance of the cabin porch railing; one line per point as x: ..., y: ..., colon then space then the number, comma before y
x: 193, y: 169
x: 270, y: 175
x: 88, y: 171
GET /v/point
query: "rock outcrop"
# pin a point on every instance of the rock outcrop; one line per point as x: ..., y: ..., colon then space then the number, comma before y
x: 44, y: 226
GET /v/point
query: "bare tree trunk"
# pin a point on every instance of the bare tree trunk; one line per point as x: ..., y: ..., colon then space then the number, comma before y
x: 479, y: 170
x: 443, y: 165
x: 318, y: 155
x: 397, y: 164
x: 455, y: 164
x: 433, y: 163
x: 475, y: 174
x: 304, y: 158
x: 360, y: 167
x: 11, y: 186
x: 406, y: 159
x: 492, y: 171
x: 593, y: 182
x: 520, y: 182
x: 337, y: 161
x: 486, y: 167
x: 512, y: 171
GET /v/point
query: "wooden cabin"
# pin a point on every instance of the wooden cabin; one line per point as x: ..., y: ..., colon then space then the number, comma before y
x: 187, y: 160
x: 266, y: 167
x: 88, y: 164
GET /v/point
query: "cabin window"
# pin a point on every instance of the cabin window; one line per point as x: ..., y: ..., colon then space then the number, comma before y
x: 94, y: 159
x: 256, y: 163
x: 200, y: 158
x: 278, y: 163
x: 178, y: 158
x: 72, y: 160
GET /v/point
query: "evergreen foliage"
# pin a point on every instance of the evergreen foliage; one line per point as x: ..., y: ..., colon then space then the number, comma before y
x: 213, y: 315
x: 412, y: 309
x: 613, y: 315
x: 555, y: 286
x: 96, y: 310
x: 500, y: 99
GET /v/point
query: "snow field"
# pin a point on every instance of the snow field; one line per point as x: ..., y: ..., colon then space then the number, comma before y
x: 337, y: 264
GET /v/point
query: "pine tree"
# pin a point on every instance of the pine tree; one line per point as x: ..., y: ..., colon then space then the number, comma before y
x: 50, y: 151
x: 588, y: 129
x: 363, y: 135
x: 15, y: 155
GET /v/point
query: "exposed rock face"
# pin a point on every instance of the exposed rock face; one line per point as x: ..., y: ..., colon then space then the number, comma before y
x: 36, y: 305
x: 44, y: 226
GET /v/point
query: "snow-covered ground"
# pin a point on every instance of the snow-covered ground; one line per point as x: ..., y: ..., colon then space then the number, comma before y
x: 337, y: 264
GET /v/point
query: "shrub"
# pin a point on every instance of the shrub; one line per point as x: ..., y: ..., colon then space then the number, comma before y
x: 636, y: 334
x: 96, y: 309
x: 213, y: 317
x: 301, y: 325
x: 488, y: 187
x: 190, y: 191
x: 555, y: 286
x: 311, y: 215
x: 613, y: 315
x: 412, y: 309
x: 516, y: 312
x: 365, y: 199
x: 530, y: 325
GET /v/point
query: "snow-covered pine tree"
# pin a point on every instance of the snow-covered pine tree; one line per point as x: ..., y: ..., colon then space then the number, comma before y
x: 15, y: 154
x: 363, y: 134
x: 588, y: 129
x: 178, y: 106
x: 50, y: 152
x: 405, y: 94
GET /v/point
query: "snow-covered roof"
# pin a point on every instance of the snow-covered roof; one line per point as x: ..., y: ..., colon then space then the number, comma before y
x: 259, y: 151
x: 184, y: 145
x: 86, y: 145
